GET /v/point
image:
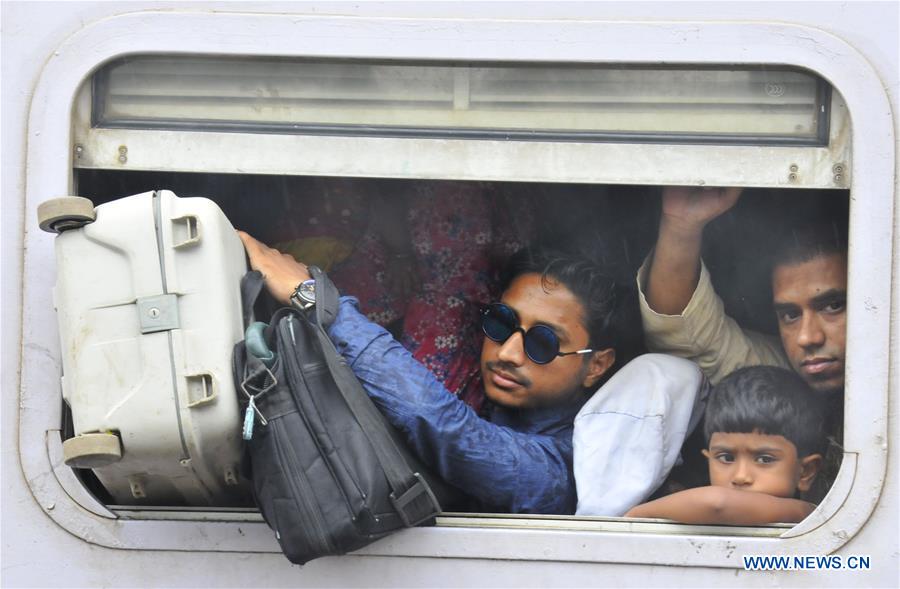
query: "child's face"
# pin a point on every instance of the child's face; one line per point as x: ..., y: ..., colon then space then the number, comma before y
x: 759, y: 462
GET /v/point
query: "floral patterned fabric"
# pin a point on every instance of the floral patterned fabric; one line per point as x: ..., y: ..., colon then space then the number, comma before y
x: 461, y: 235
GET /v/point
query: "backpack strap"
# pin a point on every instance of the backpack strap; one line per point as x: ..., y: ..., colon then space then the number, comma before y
x: 411, y: 495
x: 251, y: 287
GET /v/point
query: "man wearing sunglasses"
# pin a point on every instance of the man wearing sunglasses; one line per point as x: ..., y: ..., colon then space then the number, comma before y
x: 550, y: 341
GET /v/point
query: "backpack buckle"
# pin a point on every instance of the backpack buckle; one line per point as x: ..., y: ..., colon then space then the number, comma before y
x: 416, y: 516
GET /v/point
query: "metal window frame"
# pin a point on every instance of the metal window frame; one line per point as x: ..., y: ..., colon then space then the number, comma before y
x: 100, y: 81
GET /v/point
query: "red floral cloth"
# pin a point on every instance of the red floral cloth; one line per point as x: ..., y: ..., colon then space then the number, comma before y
x: 461, y: 234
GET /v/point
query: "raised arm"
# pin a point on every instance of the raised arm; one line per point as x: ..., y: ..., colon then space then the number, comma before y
x: 680, y: 311
x: 721, y: 505
x: 675, y: 267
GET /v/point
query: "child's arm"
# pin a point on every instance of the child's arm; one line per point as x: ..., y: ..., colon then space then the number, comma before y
x: 721, y: 505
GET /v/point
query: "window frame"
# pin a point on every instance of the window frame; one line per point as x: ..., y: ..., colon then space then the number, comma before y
x: 843, y: 512
x: 458, y: 156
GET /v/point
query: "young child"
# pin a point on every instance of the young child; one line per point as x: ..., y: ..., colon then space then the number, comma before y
x: 765, y: 439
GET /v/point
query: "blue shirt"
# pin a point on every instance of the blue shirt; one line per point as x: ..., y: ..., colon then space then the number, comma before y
x: 518, y: 462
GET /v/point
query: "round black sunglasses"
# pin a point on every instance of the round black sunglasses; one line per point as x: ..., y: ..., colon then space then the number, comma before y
x: 499, y: 322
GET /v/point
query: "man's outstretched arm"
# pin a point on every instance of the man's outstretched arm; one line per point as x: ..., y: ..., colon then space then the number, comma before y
x: 524, y: 473
x: 675, y: 266
x: 519, y: 472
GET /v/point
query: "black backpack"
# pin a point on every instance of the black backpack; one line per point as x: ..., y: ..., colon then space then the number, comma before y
x: 330, y: 474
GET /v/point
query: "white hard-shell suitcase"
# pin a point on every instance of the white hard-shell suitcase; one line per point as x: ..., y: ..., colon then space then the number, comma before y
x: 149, y: 309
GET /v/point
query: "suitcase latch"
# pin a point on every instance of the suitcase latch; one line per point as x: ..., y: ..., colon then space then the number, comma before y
x: 159, y: 313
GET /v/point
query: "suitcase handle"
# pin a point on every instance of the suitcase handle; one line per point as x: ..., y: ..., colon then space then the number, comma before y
x: 201, y: 389
x: 185, y: 231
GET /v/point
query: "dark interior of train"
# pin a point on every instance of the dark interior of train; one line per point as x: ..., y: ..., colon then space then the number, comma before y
x: 614, y: 224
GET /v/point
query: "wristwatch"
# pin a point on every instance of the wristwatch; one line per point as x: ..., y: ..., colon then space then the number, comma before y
x: 304, y: 295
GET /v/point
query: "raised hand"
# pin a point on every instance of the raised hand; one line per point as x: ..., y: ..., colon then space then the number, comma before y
x: 692, y: 207
x: 675, y: 266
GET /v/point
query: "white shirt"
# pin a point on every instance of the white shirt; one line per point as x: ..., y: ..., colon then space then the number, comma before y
x: 628, y: 436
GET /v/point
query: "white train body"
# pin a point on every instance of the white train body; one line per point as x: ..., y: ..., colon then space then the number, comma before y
x: 56, y: 533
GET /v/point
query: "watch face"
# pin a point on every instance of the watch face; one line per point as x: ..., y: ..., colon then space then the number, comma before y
x: 307, y: 291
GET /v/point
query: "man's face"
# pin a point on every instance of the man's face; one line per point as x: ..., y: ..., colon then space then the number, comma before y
x: 511, y: 379
x: 810, y: 304
x: 759, y: 462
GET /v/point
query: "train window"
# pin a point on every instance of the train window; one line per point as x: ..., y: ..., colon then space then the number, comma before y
x: 575, y: 139
x: 774, y: 106
x: 481, y: 222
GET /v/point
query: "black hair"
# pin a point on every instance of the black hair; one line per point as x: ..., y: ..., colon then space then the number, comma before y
x: 768, y: 400
x: 612, y: 316
x: 799, y: 244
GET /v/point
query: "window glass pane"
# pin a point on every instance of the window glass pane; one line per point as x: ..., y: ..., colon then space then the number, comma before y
x: 518, y: 101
